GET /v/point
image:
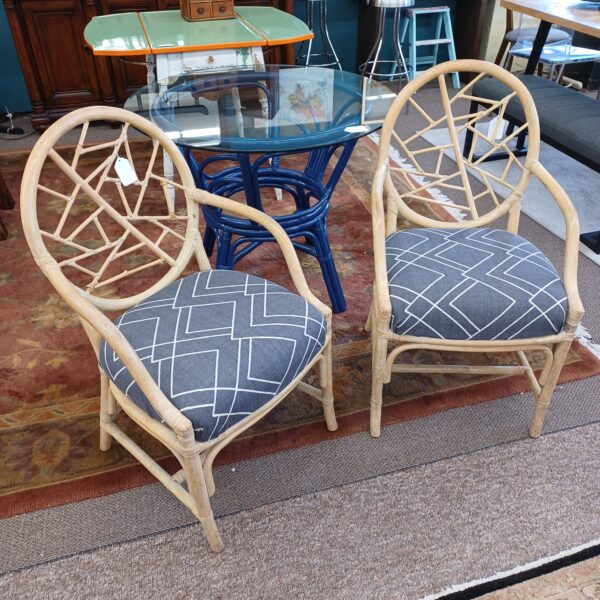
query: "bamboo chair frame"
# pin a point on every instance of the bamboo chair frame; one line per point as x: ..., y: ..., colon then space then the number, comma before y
x: 385, y: 222
x: 176, y: 430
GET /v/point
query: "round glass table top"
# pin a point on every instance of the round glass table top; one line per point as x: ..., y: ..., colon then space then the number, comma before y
x: 275, y: 109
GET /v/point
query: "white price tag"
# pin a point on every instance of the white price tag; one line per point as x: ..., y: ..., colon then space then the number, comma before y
x: 496, y: 129
x: 125, y: 171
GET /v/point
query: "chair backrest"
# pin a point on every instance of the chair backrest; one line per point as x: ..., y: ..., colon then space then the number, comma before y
x: 431, y: 183
x: 114, y: 241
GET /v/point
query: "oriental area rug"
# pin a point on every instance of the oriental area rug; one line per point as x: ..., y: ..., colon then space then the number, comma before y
x: 49, y: 382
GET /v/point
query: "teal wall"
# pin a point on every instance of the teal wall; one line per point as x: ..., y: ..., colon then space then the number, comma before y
x: 13, y: 92
x: 342, y: 16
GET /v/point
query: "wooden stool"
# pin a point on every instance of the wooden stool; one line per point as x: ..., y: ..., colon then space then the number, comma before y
x: 442, y: 18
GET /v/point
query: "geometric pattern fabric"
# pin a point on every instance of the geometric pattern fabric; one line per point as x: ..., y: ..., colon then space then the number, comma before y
x: 472, y: 284
x: 219, y: 344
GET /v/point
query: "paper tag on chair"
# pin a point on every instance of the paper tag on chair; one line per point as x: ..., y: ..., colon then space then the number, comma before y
x: 125, y: 171
x: 496, y: 129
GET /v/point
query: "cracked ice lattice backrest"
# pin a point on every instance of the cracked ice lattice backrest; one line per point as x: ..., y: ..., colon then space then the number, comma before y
x: 116, y: 243
x: 431, y: 183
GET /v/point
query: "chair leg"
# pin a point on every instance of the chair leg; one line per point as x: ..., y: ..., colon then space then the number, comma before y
x: 402, y: 40
x: 209, y: 241
x: 508, y: 63
x: 208, y: 474
x: 379, y: 349
x: 468, y: 144
x: 107, y: 411
x: 400, y: 63
x: 369, y: 323
x: 330, y: 274
x: 501, y: 51
x: 6, y: 202
x: 326, y: 383
x: 543, y: 400
x: 521, y: 139
x: 224, y: 254
x: 194, y: 475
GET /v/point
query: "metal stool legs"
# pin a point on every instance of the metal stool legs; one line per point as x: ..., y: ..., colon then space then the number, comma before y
x: 397, y: 66
x: 316, y: 15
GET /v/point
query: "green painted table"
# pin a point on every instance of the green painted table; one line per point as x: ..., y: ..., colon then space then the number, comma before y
x: 166, y: 31
x: 173, y: 45
x: 117, y: 35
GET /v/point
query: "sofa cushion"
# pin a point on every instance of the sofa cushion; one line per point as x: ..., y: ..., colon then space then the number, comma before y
x: 567, y: 117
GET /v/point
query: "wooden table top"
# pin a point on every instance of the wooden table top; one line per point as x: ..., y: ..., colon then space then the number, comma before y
x: 572, y: 14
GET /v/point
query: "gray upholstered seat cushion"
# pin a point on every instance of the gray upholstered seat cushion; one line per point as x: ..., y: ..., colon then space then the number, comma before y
x: 529, y: 33
x: 567, y: 117
x: 220, y: 344
x: 476, y: 284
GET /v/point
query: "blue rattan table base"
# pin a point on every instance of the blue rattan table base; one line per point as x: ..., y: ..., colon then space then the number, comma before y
x: 306, y: 226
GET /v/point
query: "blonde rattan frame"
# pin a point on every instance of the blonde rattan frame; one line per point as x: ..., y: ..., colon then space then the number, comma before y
x: 385, y: 222
x: 176, y: 430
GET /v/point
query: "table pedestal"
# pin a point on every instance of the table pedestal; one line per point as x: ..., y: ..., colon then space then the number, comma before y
x: 306, y: 226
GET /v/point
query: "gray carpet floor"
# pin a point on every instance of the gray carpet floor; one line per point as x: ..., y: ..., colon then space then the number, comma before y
x: 433, y: 503
x: 409, y: 534
x: 38, y: 537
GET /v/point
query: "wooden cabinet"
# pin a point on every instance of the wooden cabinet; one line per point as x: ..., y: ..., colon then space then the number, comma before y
x: 60, y: 71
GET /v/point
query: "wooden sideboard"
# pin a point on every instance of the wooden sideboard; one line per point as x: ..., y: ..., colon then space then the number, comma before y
x: 59, y: 70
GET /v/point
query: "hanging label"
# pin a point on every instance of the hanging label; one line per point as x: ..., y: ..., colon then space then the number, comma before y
x: 125, y: 171
x: 497, y: 128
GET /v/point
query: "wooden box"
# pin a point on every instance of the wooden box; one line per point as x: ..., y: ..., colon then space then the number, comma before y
x: 201, y: 10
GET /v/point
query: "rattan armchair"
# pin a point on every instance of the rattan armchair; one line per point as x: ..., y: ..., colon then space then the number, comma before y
x: 470, y: 285
x: 192, y: 360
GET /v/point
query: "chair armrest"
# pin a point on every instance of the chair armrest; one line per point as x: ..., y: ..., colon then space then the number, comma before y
x: 381, y: 293
x: 571, y: 257
x: 281, y: 237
